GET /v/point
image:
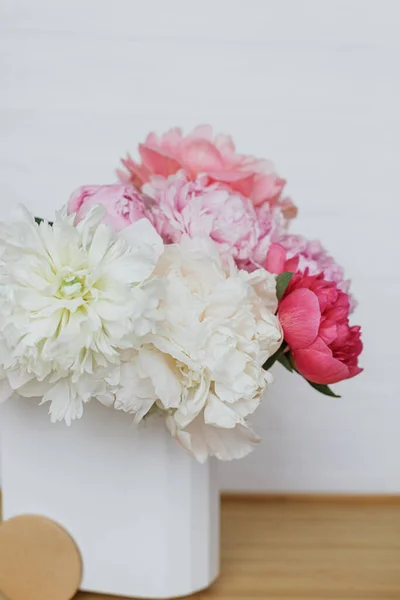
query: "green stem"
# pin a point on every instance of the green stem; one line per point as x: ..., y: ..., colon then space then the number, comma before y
x: 272, y: 359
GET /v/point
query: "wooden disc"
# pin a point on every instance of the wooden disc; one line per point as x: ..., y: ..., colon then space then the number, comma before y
x: 38, y: 560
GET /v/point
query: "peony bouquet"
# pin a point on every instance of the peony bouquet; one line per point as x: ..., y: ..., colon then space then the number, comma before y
x: 172, y: 293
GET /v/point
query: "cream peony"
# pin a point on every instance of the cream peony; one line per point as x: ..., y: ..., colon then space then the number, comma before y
x: 203, y: 365
x: 71, y: 299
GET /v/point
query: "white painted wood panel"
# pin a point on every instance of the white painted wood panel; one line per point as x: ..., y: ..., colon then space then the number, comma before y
x: 313, y: 84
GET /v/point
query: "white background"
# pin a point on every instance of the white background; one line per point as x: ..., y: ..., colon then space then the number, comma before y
x: 313, y: 84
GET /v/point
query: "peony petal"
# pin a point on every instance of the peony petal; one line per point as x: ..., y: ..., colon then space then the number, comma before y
x: 137, y: 174
x: 100, y: 244
x: 219, y: 414
x: 78, y: 196
x: 292, y: 264
x: 267, y: 188
x: 107, y: 399
x: 136, y: 394
x: 203, y: 440
x: 124, y: 177
x: 240, y: 181
x: 34, y: 388
x: 300, y: 316
x: 276, y: 258
x: 18, y: 378
x: 328, y: 332
x: 141, y: 235
x: 193, y: 404
x: 204, y: 131
x: 158, y: 162
x: 65, y: 404
x: 149, y: 246
x: 317, y: 364
x: 229, y: 444
x: 193, y: 444
x: 164, y: 375
x: 353, y: 371
x: 143, y: 410
x: 201, y: 156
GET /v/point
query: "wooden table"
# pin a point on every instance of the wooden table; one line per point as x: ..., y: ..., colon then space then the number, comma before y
x: 302, y: 549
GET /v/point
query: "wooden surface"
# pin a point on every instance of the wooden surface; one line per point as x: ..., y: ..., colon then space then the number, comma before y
x: 331, y: 549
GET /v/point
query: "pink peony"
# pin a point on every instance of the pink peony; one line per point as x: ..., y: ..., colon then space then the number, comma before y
x: 277, y: 261
x: 313, y: 256
x: 314, y: 314
x: 181, y: 206
x: 200, y: 153
x: 124, y: 204
x: 272, y: 225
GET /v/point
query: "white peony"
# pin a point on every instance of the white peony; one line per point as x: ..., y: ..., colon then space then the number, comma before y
x: 71, y: 299
x: 203, y: 365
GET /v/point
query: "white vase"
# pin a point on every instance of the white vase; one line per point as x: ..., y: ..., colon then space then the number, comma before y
x: 143, y: 513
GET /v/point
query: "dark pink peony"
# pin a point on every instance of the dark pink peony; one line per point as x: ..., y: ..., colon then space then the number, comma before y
x: 312, y: 255
x: 314, y: 314
x: 200, y: 153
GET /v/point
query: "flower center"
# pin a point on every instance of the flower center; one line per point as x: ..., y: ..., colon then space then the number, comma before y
x: 72, y: 286
x: 193, y: 378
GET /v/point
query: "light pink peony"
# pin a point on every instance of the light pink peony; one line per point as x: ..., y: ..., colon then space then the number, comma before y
x: 200, y: 153
x: 314, y: 316
x: 313, y: 256
x: 123, y: 203
x: 181, y: 206
x: 272, y: 226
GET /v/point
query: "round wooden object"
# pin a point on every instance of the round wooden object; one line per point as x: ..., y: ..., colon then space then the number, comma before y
x: 38, y: 560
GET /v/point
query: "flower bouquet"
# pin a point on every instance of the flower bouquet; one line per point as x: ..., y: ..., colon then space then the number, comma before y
x: 167, y: 296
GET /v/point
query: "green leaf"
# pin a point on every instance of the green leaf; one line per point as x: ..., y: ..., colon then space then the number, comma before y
x: 282, y: 281
x: 272, y: 359
x: 287, y: 361
x: 291, y: 359
x: 39, y: 220
x: 323, y: 389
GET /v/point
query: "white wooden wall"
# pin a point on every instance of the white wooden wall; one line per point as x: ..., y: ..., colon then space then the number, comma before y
x: 314, y: 84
